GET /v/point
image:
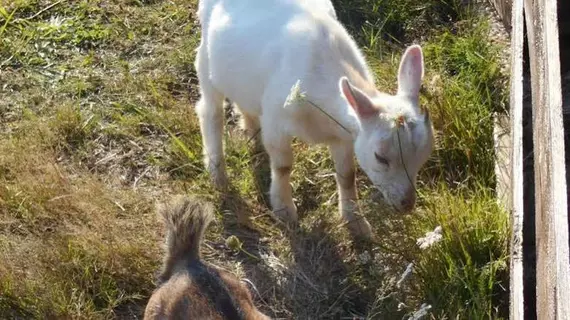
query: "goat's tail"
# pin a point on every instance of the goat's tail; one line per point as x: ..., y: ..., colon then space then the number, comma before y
x: 186, y: 220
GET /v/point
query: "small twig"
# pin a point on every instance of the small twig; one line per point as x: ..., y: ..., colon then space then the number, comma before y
x: 44, y: 10
x: 60, y: 197
x: 140, y: 177
x: 303, y: 277
x: 254, y: 135
x: 297, y: 96
x: 119, y: 205
x: 106, y: 159
x: 5, y: 62
x: 341, y: 295
x: 184, y: 166
x: 404, y: 163
x: 255, y: 289
x: 328, y: 115
x: 249, y: 254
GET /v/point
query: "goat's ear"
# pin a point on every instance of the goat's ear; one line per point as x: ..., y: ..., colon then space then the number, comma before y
x: 411, y: 72
x: 357, y: 99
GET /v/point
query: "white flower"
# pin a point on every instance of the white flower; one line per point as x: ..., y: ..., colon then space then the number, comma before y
x: 57, y: 22
x: 430, y: 238
x: 364, y: 257
x: 295, y: 95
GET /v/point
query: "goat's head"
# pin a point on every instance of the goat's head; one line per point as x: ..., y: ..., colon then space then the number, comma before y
x: 395, y: 138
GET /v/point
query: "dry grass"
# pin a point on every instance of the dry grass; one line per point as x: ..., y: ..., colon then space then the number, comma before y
x: 96, y: 126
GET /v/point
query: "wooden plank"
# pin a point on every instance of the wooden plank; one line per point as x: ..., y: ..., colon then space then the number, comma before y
x: 516, y: 308
x: 504, y: 8
x: 504, y: 11
x: 553, y: 265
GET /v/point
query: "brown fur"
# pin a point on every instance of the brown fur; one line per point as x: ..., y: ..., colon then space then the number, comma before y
x: 284, y: 170
x: 190, y: 288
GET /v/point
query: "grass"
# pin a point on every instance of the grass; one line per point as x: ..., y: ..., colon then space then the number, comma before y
x: 97, y: 125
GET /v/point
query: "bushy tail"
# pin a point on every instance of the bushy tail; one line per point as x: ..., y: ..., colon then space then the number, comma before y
x: 186, y: 220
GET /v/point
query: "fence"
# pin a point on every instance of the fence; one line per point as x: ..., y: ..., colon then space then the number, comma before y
x: 550, y: 193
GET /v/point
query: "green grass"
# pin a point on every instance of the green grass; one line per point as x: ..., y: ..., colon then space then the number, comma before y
x: 97, y: 125
x: 466, y: 273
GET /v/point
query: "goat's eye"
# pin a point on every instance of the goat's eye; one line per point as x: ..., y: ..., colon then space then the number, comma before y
x: 380, y: 159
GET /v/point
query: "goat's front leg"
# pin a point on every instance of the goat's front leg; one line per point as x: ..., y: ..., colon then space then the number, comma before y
x: 343, y: 157
x: 278, y: 146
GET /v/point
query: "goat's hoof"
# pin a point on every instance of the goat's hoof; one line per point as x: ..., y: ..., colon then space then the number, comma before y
x: 286, y: 214
x: 359, y: 227
x: 220, y: 181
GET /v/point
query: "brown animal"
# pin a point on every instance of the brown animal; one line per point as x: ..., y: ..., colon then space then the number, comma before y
x: 188, y: 287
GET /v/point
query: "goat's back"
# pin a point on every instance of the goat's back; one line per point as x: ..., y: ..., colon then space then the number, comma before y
x: 202, y: 292
x: 189, y: 288
x: 254, y: 51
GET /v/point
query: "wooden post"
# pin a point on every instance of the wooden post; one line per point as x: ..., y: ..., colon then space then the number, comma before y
x: 504, y: 11
x: 553, y: 265
x: 516, y: 309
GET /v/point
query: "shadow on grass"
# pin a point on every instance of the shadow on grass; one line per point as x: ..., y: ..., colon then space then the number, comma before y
x: 298, y: 270
x: 328, y: 288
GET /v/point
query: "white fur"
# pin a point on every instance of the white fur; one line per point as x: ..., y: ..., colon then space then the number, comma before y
x: 253, y: 52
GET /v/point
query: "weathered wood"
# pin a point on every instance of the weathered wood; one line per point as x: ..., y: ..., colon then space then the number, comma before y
x: 516, y: 309
x: 553, y: 265
x: 503, y: 149
x: 504, y: 8
x: 504, y: 11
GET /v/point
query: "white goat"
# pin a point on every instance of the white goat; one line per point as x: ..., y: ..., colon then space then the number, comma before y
x: 253, y: 52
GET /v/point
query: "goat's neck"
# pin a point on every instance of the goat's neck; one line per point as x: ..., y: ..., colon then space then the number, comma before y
x: 348, y: 117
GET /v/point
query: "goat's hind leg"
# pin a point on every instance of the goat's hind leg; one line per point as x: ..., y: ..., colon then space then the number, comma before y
x: 211, y: 116
x: 250, y: 125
